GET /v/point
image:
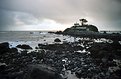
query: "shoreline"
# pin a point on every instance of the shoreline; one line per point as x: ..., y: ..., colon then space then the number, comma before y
x: 83, y: 58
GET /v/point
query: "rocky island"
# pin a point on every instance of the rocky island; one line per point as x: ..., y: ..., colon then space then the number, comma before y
x: 86, y: 30
x: 83, y: 28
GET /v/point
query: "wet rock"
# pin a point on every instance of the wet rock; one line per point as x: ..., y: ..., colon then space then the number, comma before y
x: 118, y: 73
x: 14, y: 50
x: 116, y: 44
x: 41, y: 45
x: 52, y: 47
x: 78, y: 48
x: 78, y: 74
x: 57, y: 40
x: 2, y: 67
x: 41, y: 72
x: 36, y: 48
x: 24, y: 46
x: 16, y: 75
x: 94, y: 49
x: 4, y: 47
x: 100, y: 54
x: 24, y: 53
x: 100, y: 50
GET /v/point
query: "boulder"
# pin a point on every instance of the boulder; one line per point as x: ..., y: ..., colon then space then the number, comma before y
x: 24, y: 46
x: 57, y: 40
x: 41, y: 72
x: 4, y: 47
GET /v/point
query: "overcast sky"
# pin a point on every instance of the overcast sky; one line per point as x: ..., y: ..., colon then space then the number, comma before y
x: 58, y: 14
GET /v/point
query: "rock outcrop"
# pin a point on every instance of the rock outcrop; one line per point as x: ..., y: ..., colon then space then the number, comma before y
x: 24, y: 46
x: 81, y: 29
x: 4, y: 47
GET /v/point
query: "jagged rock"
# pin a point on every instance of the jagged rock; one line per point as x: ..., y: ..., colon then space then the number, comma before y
x: 41, y: 72
x: 57, y: 40
x: 4, y: 47
x: 24, y: 46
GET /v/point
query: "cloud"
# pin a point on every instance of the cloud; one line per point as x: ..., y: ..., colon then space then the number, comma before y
x: 6, y: 19
x: 13, y: 19
x: 33, y: 12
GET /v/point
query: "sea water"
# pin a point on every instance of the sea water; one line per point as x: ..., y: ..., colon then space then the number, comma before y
x: 31, y: 38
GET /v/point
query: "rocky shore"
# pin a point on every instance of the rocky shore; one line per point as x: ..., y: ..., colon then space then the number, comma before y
x: 85, y: 59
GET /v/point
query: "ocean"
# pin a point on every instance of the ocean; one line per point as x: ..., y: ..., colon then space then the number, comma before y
x: 32, y: 38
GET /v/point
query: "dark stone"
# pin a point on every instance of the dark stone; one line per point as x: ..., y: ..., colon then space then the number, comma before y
x: 78, y: 48
x: 36, y: 48
x: 16, y: 75
x: 57, y: 40
x: 116, y: 44
x: 2, y: 67
x: 118, y: 73
x: 14, y: 50
x: 100, y: 50
x: 24, y: 46
x: 78, y: 74
x: 4, y: 47
x: 41, y: 72
x: 24, y: 53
